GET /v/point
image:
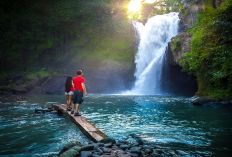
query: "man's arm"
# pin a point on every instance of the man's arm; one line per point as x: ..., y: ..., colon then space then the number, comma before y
x: 83, y: 86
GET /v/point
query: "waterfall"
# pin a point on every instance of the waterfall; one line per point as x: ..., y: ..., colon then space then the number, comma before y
x: 153, y: 39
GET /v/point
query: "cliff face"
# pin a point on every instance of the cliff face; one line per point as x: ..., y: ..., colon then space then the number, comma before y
x: 189, y: 12
x: 181, y: 43
x: 205, y: 52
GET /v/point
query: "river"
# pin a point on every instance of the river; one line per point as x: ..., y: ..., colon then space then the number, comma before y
x: 168, y: 121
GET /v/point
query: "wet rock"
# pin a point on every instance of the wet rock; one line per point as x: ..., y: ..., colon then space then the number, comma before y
x: 96, y: 154
x: 77, y: 148
x: 158, y: 151
x: 122, y: 141
x: 147, y: 151
x: 135, y: 150
x: 108, y: 145
x: 154, y: 155
x: 144, y: 154
x: 87, y: 147
x: 106, y: 150
x: 100, y: 144
x: 134, y: 155
x: 201, y: 101
x: 85, y: 154
x: 124, y: 147
x: 99, y: 150
x: 69, y: 153
x: 134, y: 143
x: 68, y: 146
x: 139, y: 141
x: 120, y: 152
x: 108, y: 140
x: 114, y: 147
x: 146, y: 147
x: 118, y: 144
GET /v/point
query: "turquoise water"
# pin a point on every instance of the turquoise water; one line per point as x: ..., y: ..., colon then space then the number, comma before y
x: 168, y: 121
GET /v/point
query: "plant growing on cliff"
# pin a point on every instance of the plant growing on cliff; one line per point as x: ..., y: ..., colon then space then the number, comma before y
x: 176, y: 45
x: 211, y: 52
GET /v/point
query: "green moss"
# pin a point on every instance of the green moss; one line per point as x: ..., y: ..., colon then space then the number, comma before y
x: 176, y: 45
x: 35, y: 75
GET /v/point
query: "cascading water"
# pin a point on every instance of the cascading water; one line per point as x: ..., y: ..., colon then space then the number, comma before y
x: 154, y: 37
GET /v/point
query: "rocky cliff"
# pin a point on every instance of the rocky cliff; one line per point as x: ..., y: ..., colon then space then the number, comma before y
x: 181, y: 43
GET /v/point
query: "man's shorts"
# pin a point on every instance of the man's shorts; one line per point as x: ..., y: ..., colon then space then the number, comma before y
x: 78, y: 97
x: 69, y: 93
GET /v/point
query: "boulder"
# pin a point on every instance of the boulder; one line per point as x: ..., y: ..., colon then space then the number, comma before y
x: 154, y: 155
x: 77, y: 148
x: 41, y: 81
x: 201, y: 101
x: 106, y: 150
x: 99, y: 150
x: 68, y: 146
x: 108, y: 140
x: 19, y: 89
x: 139, y: 141
x: 108, y: 145
x: 70, y: 153
x: 87, y: 147
x: 124, y: 146
x: 136, y: 150
x: 54, y: 85
x: 85, y: 154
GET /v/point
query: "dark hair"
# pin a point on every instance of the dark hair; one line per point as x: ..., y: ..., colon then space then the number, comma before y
x: 79, y: 72
x: 68, y: 84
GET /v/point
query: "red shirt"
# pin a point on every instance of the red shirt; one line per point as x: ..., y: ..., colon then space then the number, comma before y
x: 77, y: 83
x: 71, y: 88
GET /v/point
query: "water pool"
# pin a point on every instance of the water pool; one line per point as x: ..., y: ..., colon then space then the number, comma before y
x: 169, y: 121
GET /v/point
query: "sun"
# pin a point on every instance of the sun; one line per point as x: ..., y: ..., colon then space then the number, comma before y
x: 134, y: 6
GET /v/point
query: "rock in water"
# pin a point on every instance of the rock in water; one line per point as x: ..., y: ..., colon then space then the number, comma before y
x: 87, y: 147
x: 86, y: 154
x: 70, y: 153
x: 108, y: 140
x: 68, y: 146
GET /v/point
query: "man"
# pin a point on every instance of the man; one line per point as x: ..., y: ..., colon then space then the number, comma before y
x: 79, y: 88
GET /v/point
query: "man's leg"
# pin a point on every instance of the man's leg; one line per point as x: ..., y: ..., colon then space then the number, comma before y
x: 77, y: 107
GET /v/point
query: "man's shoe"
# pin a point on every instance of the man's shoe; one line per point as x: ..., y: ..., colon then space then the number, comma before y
x: 68, y: 109
x: 77, y: 114
x: 72, y: 111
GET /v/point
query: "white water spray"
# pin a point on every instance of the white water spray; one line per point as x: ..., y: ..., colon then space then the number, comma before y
x: 154, y: 37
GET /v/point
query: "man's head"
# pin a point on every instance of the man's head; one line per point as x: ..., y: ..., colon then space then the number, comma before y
x: 79, y: 72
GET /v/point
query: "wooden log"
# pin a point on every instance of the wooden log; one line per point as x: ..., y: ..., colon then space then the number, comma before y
x: 85, y: 126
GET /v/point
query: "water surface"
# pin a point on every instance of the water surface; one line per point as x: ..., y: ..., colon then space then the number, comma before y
x: 169, y: 121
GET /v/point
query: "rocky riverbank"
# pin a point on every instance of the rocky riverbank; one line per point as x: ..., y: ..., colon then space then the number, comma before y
x: 108, y: 147
x: 11, y: 98
x: 208, y: 101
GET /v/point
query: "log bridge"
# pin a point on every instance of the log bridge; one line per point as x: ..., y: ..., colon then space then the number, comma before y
x: 85, y: 126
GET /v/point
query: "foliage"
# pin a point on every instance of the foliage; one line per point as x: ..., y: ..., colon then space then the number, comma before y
x: 41, y: 33
x: 176, y: 45
x: 211, y: 52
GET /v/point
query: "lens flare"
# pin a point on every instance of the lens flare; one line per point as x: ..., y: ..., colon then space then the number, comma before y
x: 134, y: 6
